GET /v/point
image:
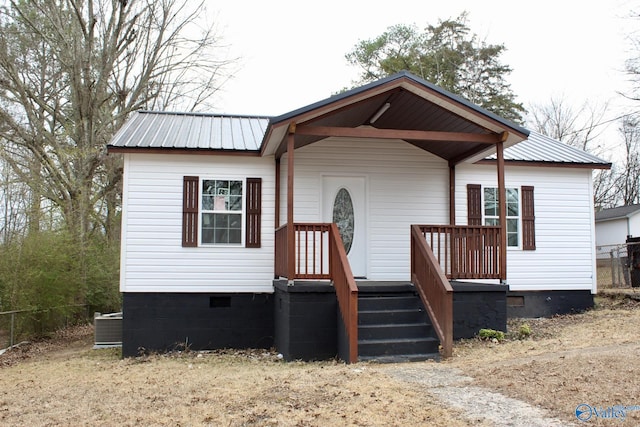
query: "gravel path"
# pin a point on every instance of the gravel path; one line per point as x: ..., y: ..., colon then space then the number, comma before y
x: 455, y: 390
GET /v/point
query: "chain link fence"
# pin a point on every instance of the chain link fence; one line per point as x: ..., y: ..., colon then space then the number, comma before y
x: 618, y: 266
x: 20, y: 325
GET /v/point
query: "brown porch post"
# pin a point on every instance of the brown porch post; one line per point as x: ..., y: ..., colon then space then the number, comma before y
x: 277, y: 207
x: 452, y: 194
x: 291, y: 232
x: 502, y: 206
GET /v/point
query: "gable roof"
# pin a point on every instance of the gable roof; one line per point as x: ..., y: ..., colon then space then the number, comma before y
x: 617, y: 213
x: 384, y: 81
x: 407, y: 103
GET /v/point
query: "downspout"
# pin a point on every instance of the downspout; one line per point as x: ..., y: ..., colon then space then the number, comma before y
x: 277, y: 201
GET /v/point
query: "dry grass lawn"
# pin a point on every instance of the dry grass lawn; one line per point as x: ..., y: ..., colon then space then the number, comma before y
x: 591, y: 358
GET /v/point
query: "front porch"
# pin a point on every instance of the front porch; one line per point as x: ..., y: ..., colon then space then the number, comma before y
x: 395, y: 147
x: 322, y: 285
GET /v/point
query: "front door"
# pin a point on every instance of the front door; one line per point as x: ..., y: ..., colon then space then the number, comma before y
x: 344, y: 202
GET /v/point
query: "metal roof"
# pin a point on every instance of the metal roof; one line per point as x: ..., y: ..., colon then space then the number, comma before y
x: 153, y: 129
x: 617, y: 213
x: 165, y: 130
x: 399, y: 76
x: 540, y: 148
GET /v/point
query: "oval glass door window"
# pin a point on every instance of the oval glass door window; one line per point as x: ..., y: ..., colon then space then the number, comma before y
x: 344, y: 217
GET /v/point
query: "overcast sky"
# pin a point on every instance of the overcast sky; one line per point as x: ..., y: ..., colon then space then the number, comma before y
x: 293, y: 51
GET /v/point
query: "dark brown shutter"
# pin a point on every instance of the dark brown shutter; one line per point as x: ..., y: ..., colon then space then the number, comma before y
x: 474, y: 204
x: 254, y: 212
x: 190, y: 211
x: 528, y: 220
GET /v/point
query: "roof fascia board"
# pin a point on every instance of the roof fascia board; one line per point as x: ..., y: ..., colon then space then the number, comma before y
x: 545, y: 164
x: 174, y: 151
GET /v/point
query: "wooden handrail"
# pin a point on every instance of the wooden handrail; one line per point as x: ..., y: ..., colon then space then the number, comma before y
x: 346, y: 290
x: 434, y: 289
x: 466, y: 252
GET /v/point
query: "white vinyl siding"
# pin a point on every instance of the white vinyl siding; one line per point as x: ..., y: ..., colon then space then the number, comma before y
x: 405, y: 185
x: 565, y: 246
x: 609, y: 234
x: 153, y: 259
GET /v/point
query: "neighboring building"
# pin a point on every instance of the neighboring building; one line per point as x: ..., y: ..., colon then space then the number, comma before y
x: 613, y: 226
x: 210, y: 258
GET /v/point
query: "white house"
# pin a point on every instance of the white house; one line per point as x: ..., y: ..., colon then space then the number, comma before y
x: 297, y: 230
x: 613, y: 226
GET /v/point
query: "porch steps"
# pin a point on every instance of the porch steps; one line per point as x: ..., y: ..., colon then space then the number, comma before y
x: 393, y: 325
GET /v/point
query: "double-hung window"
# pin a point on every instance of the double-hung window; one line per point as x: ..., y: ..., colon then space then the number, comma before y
x: 483, y: 208
x: 221, y: 212
x: 492, y: 213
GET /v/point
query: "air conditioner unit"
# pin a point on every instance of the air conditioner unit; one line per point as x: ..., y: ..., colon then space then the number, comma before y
x: 107, y: 330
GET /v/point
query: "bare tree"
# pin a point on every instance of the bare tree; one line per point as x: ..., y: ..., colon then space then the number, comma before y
x: 71, y: 71
x: 14, y: 197
x: 628, y: 179
x: 580, y: 127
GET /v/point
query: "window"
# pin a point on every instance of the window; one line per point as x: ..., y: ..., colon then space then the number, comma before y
x: 520, y: 212
x: 492, y: 212
x: 221, y: 211
x: 216, y: 210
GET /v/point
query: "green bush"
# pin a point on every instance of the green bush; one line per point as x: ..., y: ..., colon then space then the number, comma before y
x: 490, y: 334
x: 524, y: 331
x: 60, y: 280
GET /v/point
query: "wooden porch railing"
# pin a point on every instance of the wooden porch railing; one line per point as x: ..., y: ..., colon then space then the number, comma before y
x: 346, y: 290
x: 312, y: 251
x: 466, y: 252
x: 320, y: 254
x: 433, y: 287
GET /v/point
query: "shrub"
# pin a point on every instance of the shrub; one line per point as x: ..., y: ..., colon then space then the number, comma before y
x: 524, y: 331
x: 47, y: 270
x: 491, y: 334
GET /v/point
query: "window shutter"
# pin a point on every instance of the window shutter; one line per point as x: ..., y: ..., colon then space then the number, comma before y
x: 254, y: 212
x: 474, y: 204
x: 528, y: 220
x: 190, y: 211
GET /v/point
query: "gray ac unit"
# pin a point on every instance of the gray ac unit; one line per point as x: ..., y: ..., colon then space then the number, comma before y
x: 107, y: 330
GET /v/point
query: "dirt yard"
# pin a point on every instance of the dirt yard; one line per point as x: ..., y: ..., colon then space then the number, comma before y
x: 591, y: 358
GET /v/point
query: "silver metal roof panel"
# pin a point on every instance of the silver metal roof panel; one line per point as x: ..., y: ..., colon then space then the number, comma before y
x: 541, y: 148
x: 147, y: 129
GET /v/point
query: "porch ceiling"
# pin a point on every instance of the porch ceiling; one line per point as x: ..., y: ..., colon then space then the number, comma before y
x: 446, y: 125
